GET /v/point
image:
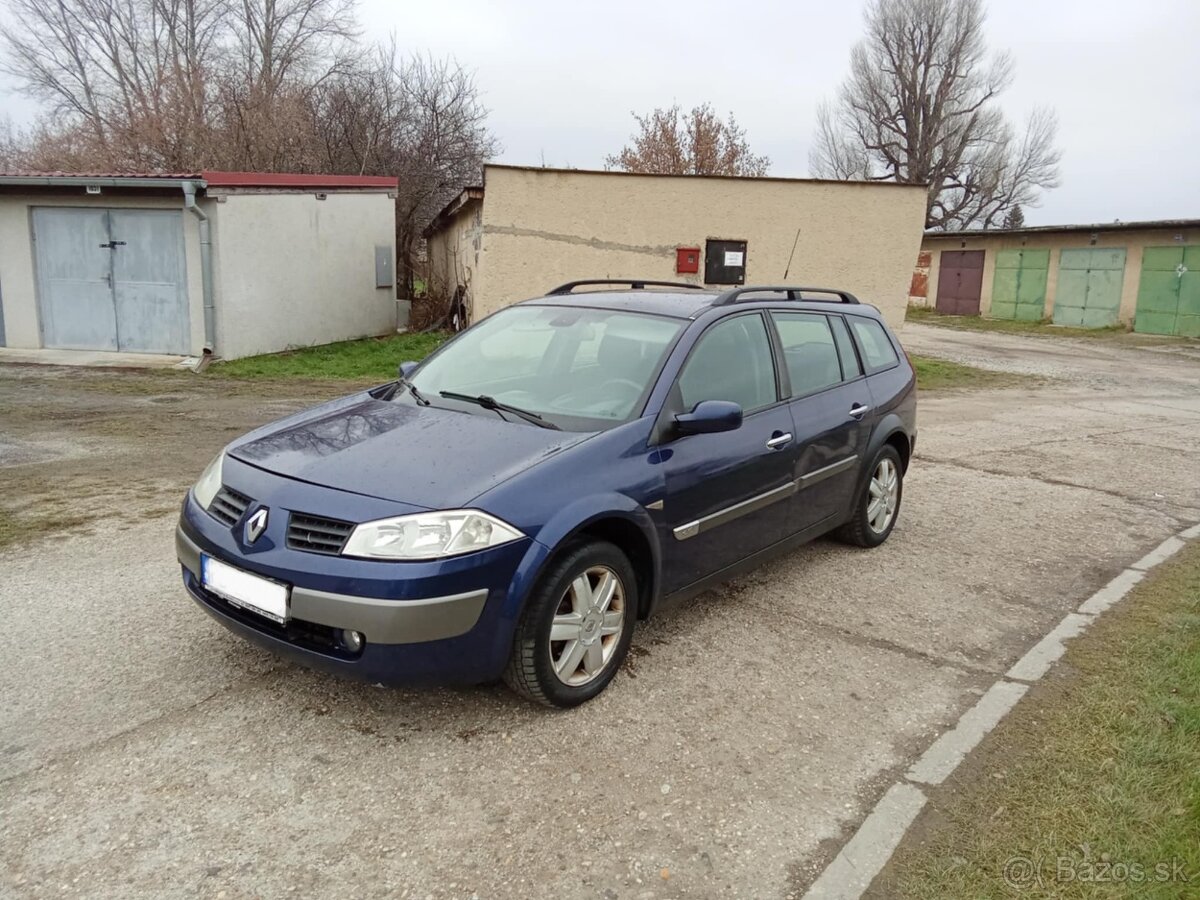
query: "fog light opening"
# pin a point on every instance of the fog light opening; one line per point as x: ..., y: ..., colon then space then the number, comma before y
x: 352, y: 640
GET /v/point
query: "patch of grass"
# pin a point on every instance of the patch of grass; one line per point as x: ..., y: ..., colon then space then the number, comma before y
x: 366, y: 358
x: 17, y: 529
x: 1095, y: 775
x: 941, y: 374
x: 927, y: 316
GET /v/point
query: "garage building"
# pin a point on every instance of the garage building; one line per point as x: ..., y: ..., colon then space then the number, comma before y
x: 526, y: 230
x: 238, y: 263
x: 1143, y: 274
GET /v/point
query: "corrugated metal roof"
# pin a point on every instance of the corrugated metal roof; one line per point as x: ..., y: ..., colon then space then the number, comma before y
x: 209, y: 177
x: 1147, y: 225
x: 465, y: 196
x: 33, y: 173
x: 281, y: 179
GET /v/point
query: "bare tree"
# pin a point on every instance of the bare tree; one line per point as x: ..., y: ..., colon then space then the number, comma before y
x: 671, y: 142
x: 259, y: 85
x: 173, y: 84
x: 919, y: 107
x: 128, y: 78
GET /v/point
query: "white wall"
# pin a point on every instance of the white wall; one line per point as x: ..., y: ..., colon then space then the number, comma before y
x: 18, y: 280
x: 292, y: 270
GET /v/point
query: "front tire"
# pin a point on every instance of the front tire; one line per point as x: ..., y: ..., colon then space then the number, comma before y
x: 576, y: 627
x: 877, y: 506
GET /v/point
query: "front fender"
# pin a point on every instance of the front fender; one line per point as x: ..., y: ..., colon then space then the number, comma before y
x: 565, y: 524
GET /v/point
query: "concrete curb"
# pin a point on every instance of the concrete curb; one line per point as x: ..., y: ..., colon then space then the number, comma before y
x: 863, y: 857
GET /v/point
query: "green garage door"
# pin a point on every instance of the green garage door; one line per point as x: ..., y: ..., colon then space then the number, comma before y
x: 1089, y: 287
x: 1169, y: 293
x: 1019, y: 286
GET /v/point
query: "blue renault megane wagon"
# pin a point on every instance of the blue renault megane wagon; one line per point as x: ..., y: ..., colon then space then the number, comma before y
x: 515, y: 503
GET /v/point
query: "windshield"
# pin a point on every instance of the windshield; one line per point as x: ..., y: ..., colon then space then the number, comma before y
x: 581, y: 369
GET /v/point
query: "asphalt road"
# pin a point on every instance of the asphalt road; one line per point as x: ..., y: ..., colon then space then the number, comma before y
x: 146, y: 752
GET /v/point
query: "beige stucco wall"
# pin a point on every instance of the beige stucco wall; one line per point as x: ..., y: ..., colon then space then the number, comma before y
x: 542, y: 227
x: 18, y: 279
x: 292, y: 270
x: 1133, y: 242
x: 453, y: 252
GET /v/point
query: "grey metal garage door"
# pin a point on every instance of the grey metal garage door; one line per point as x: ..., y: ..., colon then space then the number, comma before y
x: 112, y: 279
x: 1089, y: 286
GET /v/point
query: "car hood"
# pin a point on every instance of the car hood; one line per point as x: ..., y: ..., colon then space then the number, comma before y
x: 425, y: 456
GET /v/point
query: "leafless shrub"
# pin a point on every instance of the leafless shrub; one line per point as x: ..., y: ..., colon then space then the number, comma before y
x: 672, y: 142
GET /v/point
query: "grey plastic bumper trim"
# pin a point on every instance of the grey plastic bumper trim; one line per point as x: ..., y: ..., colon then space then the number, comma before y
x: 381, y: 621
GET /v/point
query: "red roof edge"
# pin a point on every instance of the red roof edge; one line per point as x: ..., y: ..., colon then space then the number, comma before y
x: 283, y: 180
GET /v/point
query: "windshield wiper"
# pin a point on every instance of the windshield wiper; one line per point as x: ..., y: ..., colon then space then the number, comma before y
x: 493, y: 404
x: 412, y: 389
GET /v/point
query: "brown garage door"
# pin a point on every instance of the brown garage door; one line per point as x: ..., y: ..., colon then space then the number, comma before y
x: 960, y: 279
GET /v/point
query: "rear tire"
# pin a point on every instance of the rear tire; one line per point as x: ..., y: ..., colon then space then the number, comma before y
x: 877, y: 505
x: 576, y: 627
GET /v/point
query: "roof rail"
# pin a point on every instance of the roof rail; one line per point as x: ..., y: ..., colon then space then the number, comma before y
x: 636, y: 284
x: 793, y: 293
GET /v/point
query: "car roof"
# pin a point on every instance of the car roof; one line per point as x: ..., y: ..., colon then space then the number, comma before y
x: 686, y: 304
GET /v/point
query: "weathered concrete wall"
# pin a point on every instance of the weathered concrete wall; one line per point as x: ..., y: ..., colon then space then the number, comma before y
x: 293, y: 270
x: 1133, y: 242
x: 454, y: 251
x: 542, y: 227
x: 18, y: 269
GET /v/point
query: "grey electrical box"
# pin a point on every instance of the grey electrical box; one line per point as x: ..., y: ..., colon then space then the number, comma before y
x: 383, y: 267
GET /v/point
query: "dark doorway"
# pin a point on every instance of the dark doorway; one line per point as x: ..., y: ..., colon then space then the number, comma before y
x: 960, y: 279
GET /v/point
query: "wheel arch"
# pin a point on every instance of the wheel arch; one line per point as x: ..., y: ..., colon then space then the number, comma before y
x: 623, y: 523
x: 890, y: 430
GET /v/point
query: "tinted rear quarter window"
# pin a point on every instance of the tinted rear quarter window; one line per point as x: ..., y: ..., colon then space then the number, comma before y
x: 851, y: 368
x: 878, y: 352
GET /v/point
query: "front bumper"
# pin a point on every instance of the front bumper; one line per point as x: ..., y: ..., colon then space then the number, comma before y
x: 446, y: 620
x: 380, y: 621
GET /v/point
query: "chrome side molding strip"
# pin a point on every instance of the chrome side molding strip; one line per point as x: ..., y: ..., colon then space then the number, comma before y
x: 729, y: 513
x: 818, y: 475
x: 763, y: 500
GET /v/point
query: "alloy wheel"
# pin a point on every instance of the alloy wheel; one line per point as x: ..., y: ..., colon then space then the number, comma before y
x: 883, y: 496
x: 587, y: 626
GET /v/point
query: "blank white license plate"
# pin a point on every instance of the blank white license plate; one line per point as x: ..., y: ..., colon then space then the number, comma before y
x: 261, y: 595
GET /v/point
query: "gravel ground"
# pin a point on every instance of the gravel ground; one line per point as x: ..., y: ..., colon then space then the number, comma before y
x: 146, y: 752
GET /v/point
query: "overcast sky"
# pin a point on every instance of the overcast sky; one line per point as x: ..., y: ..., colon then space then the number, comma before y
x: 561, y: 79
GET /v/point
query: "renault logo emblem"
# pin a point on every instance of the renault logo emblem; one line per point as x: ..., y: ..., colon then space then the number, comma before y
x: 256, y: 525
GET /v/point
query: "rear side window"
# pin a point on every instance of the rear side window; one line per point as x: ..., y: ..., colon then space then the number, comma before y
x: 878, y: 352
x: 841, y: 334
x: 731, y: 361
x: 809, y: 351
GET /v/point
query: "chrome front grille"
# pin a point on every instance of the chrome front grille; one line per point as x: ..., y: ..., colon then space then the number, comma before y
x: 316, y: 534
x: 228, y: 506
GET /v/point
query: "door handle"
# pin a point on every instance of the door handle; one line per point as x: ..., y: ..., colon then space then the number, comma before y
x: 779, y: 440
x: 857, y: 411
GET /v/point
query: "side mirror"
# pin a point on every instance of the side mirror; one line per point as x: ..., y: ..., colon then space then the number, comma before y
x: 709, y: 417
x: 406, y: 368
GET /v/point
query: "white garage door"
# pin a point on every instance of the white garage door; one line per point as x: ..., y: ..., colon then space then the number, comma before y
x: 112, y: 279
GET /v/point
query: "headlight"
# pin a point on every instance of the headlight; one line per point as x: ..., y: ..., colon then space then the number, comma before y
x: 429, y: 535
x: 210, y: 482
